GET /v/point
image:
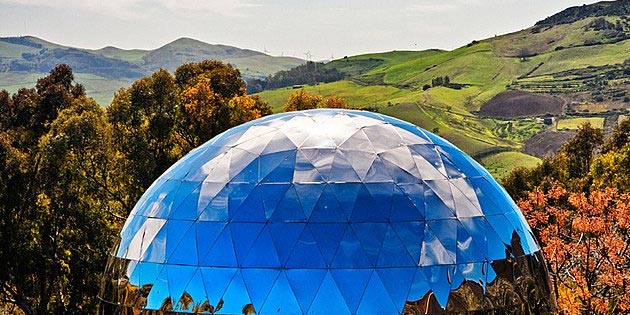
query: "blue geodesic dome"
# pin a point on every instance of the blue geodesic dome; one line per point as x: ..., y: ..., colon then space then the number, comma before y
x: 323, y: 212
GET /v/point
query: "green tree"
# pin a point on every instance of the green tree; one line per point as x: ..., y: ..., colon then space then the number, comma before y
x: 144, y: 119
x: 80, y: 205
x: 619, y: 137
x: 61, y: 187
x: 70, y: 172
x: 580, y: 150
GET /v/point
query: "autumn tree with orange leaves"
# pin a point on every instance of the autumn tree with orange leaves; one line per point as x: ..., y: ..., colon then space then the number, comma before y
x: 303, y: 100
x: 578, y: 205
x: 586, y: 241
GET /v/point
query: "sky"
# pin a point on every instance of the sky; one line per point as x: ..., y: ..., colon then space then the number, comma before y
x: 324, y: 28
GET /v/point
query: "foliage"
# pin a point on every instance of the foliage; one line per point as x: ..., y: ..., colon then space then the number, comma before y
x: 573, y: 14
x: 578, y: 204
x: 303, y: 100
x: 70, y: 172
x: 571, y: 167
x: 580, y: 150
x: 143, y: 118
x: 213, y: 99
x: 440, y: 81
x: 162, y: 117
x: 586, y: 239
x: 308, y: 73
x: 60, y: 188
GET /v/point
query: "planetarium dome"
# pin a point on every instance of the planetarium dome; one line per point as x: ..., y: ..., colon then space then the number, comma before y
x: 326, y: 212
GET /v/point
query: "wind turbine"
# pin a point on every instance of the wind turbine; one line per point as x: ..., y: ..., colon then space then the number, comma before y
x: 265, y: 49
x: 308, y: 55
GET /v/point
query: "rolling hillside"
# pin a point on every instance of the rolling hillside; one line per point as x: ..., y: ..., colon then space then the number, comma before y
x: 104, y: 71
x: 510, y: 100
x: 573, y: 66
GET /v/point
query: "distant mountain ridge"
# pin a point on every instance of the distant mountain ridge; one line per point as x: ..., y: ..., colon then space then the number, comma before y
x: 107, y: 69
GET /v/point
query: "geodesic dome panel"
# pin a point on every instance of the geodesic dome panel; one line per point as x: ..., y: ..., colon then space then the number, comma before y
x: 325, y: 212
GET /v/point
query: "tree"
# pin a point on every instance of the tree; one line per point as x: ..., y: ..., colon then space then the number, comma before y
x: 203, y: 113
x: 224, y: 79
x: 303, y: 100
x: 570, y: 168
x: 70, y: 172
x: 580, y: 150
x: 61, y: 187
x: 213, y: 100
x: 612, y: 169
x: 245, y: 108
x: 80, y: 206
x: 334, y: 102
x: 144, y: 119
x: 578, y: 205
x: 162, y: 117
x: 586, y: 240
x: 619, y: 137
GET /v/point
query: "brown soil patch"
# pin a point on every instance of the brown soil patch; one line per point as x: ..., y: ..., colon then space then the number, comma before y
x: 512, y: 104
x: 547, y: 143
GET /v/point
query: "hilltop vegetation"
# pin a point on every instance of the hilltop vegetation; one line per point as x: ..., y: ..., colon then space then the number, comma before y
x: 573, y: 14
x: 575, y: 67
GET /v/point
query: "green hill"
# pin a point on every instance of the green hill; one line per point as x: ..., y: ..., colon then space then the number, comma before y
x: 578, y: 56
x: 104, y: 71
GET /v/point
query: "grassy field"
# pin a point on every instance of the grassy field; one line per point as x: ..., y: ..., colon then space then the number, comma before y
x: 574, y: 123
x: 99, y: 88
x: 14, y: 81
x: 582, y: 57
x: 465, y: 131
x: 131, y: 55
x: 356, y: 95
x: 379, y: 62
x: 10, y: 50
x: 501, y: 164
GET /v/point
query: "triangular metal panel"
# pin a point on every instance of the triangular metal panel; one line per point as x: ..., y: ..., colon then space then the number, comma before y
x: 352, y: 284
x: 376, y: 299
x: 329, y: 299
x: 281, y: 299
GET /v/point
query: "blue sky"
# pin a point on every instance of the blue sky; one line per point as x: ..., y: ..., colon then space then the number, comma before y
x: 326, y: 28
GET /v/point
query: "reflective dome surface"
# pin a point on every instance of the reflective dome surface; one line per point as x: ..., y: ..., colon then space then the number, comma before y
x: 325, y: 212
